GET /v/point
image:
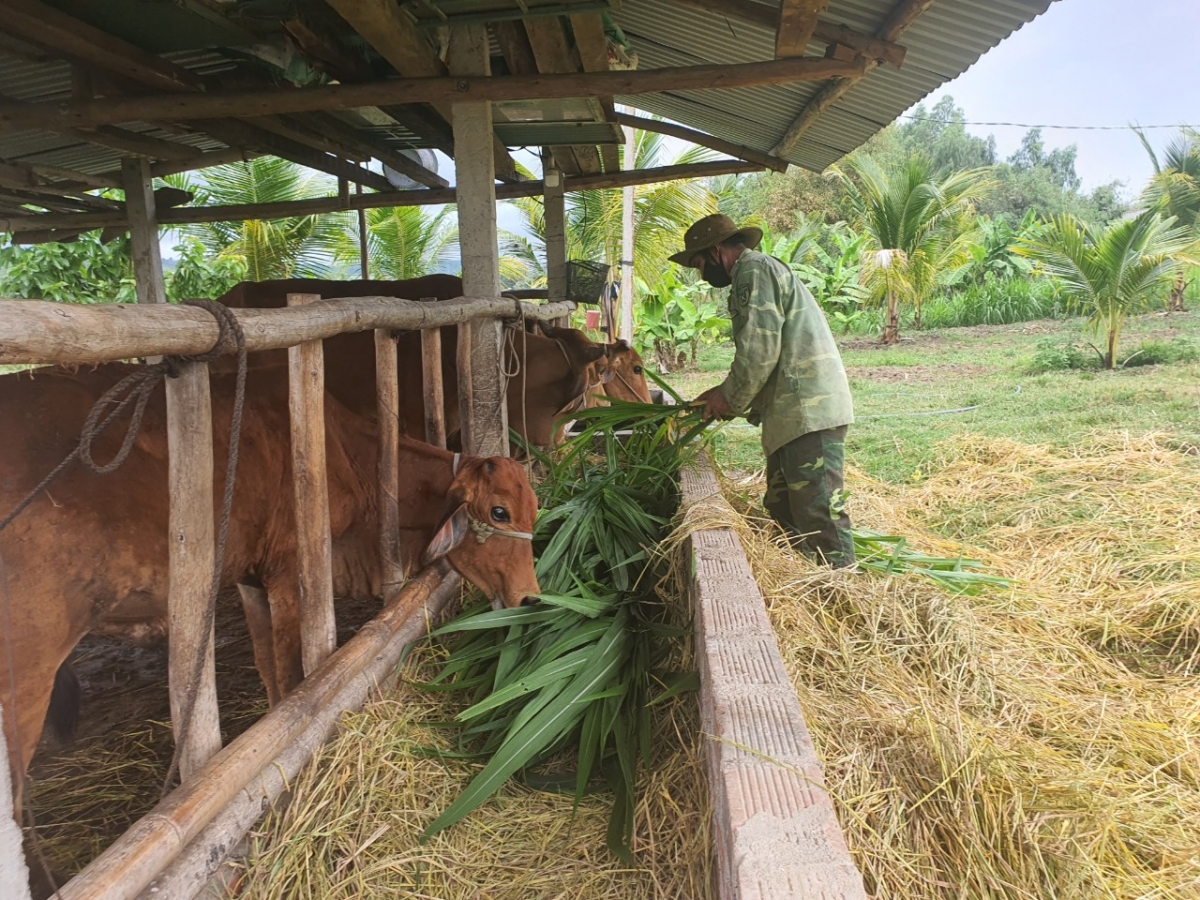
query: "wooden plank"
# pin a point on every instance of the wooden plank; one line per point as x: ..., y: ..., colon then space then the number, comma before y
x: 220, y: 104
x: 797, y: 22
x: 300, y: 722
x: 288, y: 208
x: 40, y: 331
x: 192, y: 550
x: 484, y: 412
x: 387, y: 394
x: 592, y: 47
x: 314, y: 547
x: 435, y: 394
x: 721, y: 145
x: 897, y: 22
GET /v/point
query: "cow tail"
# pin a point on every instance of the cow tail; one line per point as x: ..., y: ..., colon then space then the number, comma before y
x: 62, y: 718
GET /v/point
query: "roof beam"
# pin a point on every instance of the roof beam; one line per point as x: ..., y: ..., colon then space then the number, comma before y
x: 46, y: 27
x: 704, y: 140
x: 201, y: 161
x: 322, y: 205
x: 797, y: 22
x: 220, y: 104
x: 549, y: 44
x: 827, y: 33
x: 383, y: 25
x: 902, y: 16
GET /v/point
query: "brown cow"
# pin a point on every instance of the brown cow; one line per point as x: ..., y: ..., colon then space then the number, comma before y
x: 90, y: 554
x: 556, y: 372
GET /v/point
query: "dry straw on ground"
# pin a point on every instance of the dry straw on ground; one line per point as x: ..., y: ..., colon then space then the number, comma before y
x: 1039, y: 742
x: 353, y: 825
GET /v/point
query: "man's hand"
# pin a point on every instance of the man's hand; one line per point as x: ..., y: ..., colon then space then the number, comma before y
x: 715, y: 404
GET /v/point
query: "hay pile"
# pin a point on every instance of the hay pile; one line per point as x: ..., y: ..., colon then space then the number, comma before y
x: 1032, y: 743
x: 356, y: 816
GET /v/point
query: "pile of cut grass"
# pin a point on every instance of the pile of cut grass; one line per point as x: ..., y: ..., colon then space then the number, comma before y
x: 354, y: 825
x: 1041, y: 741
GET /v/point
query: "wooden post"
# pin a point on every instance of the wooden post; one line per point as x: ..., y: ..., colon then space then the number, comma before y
x: 484, y: 412
x: 364, y: 261
x: 192, y: 558
x: 627, y: 209
x: 556, y: 232
x: 191, y: 544
x: 306, y: 405
x: 435, y: 396
x: 387, y: 393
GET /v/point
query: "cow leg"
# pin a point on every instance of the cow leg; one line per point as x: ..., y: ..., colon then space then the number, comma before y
x: 258, y: 619
x: 283, y: 597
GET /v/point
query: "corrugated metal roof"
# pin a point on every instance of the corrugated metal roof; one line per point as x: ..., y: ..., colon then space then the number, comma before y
x: 944, y: 41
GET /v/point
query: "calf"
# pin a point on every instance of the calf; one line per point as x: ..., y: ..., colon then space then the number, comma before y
x: 90, y: 553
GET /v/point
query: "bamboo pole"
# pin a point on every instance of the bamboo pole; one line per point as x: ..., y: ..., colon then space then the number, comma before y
x: 387, y: 391
x: 314, y: 546
x: 435, y: 394
x: 189, y: 875
x: 37, y: 331
x: 127, y: 867
x: 195, y: 719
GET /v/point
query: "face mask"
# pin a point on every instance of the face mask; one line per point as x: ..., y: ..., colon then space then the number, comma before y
x: 714, y: 273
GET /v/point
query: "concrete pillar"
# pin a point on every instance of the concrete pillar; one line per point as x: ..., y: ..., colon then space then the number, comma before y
x: 483, y: 411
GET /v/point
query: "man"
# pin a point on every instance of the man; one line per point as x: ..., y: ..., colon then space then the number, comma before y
x: 788, y: 375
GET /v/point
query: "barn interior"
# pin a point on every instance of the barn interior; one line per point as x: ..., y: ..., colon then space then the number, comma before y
x: 99, y: 98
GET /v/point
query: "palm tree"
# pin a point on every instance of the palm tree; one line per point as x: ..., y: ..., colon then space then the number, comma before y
x: 403, y: 242
x: 662, y: 212
x: 917, y: 226
x: 1109, y: 273
x: 272, y: 248
x: 1174, y: 190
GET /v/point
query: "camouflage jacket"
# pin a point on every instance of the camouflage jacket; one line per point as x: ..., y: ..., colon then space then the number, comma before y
x: 786, y: 372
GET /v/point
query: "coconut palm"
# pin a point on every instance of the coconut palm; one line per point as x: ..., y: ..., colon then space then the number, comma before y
x: 272, y: 248
x: 917, y: 227
x: 1174, y: 190
x: 1112, y: 273
x: 662, y: 212
x: 403, y: 242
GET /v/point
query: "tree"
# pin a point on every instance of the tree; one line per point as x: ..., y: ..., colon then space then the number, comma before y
x: 403, y: 242
x: 1112, y: 273
x: 917, y: 228
x: 1174, y: 190
x: 80, y: 271
x: 294, y: 247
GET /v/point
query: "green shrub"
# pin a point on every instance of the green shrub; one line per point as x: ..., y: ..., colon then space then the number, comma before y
x: 995, y: 301
x: 1163, y: 353
x: 1056, y: 355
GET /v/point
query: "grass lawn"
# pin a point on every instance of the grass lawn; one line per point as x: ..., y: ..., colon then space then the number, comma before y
x: 901, y: 393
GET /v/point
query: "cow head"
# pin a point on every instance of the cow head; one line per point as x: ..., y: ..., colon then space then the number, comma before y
x: 624, y: 374
x: 486, y: 533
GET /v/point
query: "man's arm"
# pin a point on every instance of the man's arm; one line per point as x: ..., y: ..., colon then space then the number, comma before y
x: 757, y: 342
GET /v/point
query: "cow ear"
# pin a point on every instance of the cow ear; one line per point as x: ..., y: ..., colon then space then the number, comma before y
x: 545, y: 329
x: 621, y: 346
x: 448, y: 536
x: 591, y: 354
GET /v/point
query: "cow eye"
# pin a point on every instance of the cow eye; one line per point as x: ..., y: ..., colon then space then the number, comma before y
x: 500, y: 514
x: 637, y: 370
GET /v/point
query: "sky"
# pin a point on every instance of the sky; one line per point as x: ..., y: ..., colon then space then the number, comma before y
x: 1090, y: 62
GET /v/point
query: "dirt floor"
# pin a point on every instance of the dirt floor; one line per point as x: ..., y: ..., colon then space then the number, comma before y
x: 85, y: 795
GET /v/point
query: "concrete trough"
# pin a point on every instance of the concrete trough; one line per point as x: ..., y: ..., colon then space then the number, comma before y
x: 775, y: 833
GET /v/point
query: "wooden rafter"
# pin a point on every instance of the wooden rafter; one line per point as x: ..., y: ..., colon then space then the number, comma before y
x: 218, y: 104
x: 902, y: 16
x: 704, y: 140
x: 383, y: 25
x: 592, y: 47
x: 434, y: 196
x: 828, y: 33
x: 797, y: 21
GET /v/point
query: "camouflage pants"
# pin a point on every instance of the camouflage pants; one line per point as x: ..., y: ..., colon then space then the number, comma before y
x: 806, y: 495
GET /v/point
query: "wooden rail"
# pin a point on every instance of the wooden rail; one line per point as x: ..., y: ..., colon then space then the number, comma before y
x: 37, y: 331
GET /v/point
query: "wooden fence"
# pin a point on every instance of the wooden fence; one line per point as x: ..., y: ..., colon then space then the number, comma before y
x: 176, y: 847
